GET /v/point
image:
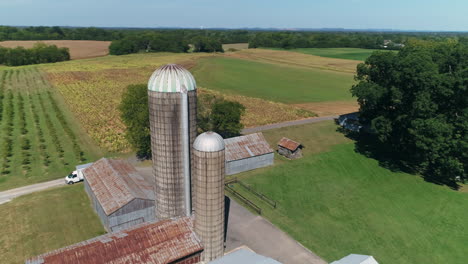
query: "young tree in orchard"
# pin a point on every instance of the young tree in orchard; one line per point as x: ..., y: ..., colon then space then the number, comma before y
x: 416, y: 102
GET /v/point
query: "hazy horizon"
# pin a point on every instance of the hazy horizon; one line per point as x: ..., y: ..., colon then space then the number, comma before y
x: 398, y: 15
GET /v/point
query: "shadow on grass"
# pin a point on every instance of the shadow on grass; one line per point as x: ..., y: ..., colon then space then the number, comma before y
x: 368, y: 145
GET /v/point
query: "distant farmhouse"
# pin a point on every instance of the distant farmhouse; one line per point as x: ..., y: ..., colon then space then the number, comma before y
x: 120, y: 195
x: 290, y: 148
x: 247, y: 152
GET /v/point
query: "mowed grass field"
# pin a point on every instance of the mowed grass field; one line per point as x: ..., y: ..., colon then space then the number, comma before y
x: 79, y: 49
x: 40, y: 222
x: 39, y: 139
x: 335, y: 202
x: 338, y: 53
x: 275, y: 82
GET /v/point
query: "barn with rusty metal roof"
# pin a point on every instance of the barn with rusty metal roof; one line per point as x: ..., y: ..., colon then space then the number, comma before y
x: 120, y: 195
x: 247, y: 153
x: 168, y: 241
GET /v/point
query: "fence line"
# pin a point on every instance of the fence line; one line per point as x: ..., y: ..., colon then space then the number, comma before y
x: 243, y: 199
x: 269, y: 201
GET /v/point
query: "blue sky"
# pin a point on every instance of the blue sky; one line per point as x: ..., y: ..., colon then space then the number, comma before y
x: 356, y: 14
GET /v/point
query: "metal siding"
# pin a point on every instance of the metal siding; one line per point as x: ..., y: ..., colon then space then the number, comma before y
x: 167, y: 150
x: 97, y: 206
x: 209, y: 172
x: 128, y: 215
x: 238, y: 166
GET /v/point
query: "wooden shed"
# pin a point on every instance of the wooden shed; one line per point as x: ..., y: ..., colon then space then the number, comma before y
x: 247, y: 153
x: 290, y: 148
x: 120, y: 195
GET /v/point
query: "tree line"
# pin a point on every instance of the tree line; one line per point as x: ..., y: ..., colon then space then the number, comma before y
x: 169, y: 42
x: 40, y: 53
x: 416, y: 104
x: 210, y: 39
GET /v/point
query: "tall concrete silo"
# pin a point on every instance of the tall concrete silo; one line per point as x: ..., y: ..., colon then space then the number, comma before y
x: 173, y: 110
x: 208, y: 175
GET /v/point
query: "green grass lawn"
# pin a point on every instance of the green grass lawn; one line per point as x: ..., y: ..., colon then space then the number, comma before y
x: 338, y: 53
x: 37, y: 223
x: 336, y: 202
x: 273, y: 82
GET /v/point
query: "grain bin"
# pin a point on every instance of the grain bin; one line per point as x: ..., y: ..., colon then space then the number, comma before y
x: 173, y: 109
x: 208, y: 176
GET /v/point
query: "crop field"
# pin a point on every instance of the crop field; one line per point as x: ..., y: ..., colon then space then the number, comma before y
x: 37, y: 223
x: 39, y: 141
x: 339, y: 53
x: 296, y: 59
x: 79, y: 49
x: 92, y: 89
x: 335, y: 202
x: 274, y: 82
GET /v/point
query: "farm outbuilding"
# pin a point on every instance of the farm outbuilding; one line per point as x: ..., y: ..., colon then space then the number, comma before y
x: 247, y: 152
x: 290, y: 148
x: 120, y: 195
x: 165, y: 242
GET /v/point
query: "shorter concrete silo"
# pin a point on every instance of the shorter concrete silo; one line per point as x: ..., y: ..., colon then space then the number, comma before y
x: 208, y: 174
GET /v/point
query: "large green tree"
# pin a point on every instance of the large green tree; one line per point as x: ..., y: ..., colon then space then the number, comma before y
x: 416, y: 102
x: 214, y: 114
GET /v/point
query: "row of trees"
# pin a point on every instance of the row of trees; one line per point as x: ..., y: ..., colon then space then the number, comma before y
x: 40, y: 53
x: 416, y: 102
x: 131, y: 38
x: 214, y: 114
x: 169, y: 42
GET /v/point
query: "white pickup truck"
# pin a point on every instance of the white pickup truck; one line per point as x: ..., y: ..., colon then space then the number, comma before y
x: 77, y: 175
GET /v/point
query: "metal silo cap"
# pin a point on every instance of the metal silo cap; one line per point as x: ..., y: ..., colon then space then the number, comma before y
x: 209, y: 142
x: 172, y: 78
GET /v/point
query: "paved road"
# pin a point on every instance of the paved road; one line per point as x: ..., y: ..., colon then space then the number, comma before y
x: 245, y: 228
x: 7, y: 196
x: 286, y: 124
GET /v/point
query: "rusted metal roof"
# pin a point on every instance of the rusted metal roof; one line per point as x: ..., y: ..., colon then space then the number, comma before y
x: 115, y: 183
x: 152, y: 243
x: 289, y: 144
x: 246, y: 146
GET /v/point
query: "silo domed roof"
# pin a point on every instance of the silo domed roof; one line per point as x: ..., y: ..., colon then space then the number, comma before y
x: 171, y: 78
x: 209, y: 142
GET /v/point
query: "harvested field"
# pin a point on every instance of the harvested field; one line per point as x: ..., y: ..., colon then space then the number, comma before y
x: 255, y: 114
x: 79, y: 49
x: 296, y: 59
x: 237, y: 46
x: 330, y: 108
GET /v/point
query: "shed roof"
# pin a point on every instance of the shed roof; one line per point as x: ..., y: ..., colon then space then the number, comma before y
x: 356, y: 259
x: 244, y: 256
x: 115, y: 183
x: 153, y: 243
x: 246, y: 146
x: 289, y: 144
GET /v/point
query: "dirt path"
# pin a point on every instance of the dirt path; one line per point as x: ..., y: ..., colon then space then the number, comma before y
x: 286, y: 124
x: 7, y: 196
